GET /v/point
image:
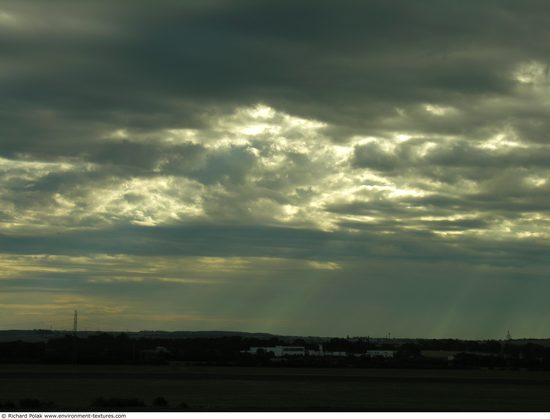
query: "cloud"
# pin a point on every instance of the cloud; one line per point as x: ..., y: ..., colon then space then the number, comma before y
x: 147, y: 70
x: 331, y: 147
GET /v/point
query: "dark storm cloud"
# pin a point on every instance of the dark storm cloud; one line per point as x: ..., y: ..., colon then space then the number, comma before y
x: 261, y: 241
x: 455, y: 154
x: 70, y: 73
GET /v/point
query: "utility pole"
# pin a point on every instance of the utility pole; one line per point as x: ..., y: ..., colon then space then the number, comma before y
x: 75, y: 337
x: 75, y: 323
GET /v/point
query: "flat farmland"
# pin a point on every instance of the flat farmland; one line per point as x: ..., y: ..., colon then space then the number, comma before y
x: 73, y: 387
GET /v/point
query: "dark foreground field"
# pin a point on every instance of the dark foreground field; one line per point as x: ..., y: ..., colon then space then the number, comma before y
x: 239, y: 388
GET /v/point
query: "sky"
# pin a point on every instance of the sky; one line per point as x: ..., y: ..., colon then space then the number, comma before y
x: 295, y: 167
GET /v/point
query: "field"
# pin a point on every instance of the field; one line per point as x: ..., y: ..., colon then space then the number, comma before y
x: 238, y: 388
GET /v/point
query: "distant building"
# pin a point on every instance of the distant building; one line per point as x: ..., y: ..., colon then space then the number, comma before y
x: 380, y: 354
x: 322, y: 352
x: 335, y: 353
x: 279, y: 351
x: 319, y: 352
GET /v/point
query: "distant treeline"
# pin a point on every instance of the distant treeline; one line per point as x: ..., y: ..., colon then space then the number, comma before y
x: 423, y: 353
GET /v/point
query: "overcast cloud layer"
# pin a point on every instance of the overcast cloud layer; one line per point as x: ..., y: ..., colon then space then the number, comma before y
x: 296, y: 167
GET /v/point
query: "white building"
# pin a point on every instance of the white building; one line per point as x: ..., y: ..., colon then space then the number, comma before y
x: 279, y: 351
x: 335, y: 353
x: 322, y: 352
x: 380, y: 354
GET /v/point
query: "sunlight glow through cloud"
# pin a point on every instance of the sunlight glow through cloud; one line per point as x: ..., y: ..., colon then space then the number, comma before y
x: 381, y: 160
